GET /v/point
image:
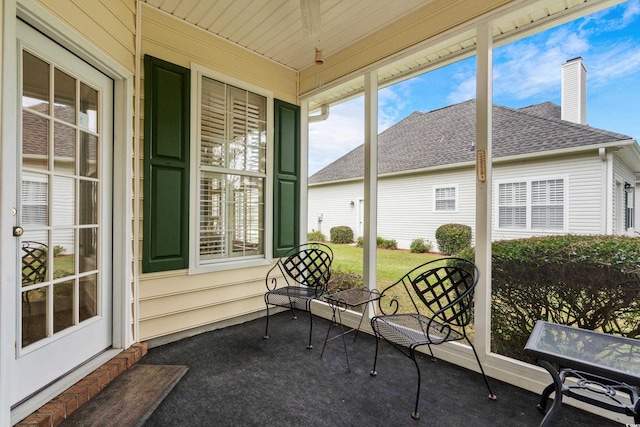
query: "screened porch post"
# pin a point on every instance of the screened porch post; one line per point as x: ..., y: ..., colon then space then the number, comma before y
x: 304, y: 169
x: 370, y: 178
x: 484, y: 100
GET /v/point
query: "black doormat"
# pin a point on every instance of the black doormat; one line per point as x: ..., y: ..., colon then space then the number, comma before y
x: 129, y: 399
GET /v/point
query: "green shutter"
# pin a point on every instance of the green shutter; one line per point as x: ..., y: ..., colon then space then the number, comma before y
x: 286, y: 192
x: 166, y: 166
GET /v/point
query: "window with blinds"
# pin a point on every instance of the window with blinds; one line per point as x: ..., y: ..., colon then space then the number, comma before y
x: 512, y: 205
x: 445, y: 199
x: 232, y: 172
x: 547, y: 204
x: 534, y: 205
x: 34, y: 202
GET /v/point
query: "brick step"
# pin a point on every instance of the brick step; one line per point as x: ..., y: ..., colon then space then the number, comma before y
x: 62, y: 406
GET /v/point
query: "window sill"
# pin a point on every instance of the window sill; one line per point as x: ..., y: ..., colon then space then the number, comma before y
x: 228, y: 265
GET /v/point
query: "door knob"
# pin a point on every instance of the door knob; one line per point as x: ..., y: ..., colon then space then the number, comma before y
x: 18, y: 231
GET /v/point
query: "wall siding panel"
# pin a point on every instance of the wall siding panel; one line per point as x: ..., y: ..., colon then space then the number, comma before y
x: 108, y: 24
x: 405, y: 203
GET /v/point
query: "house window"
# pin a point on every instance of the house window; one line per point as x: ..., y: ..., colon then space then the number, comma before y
x: 34, y: 202
x: 532, y: 205
x: 547, y: 204
x: 445, y: 199
x: 512, y: 209
x: 231, y: 172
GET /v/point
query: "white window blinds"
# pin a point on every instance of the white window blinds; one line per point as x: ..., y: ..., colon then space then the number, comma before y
x: 232, y: 171
x: 446, y: 199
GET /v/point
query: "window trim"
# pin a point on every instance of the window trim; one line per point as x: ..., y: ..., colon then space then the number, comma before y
x: 197, y: 73
x: 455, y: 198
x: 529, y: 206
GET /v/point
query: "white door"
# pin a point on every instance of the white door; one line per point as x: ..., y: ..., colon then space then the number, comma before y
x: 63, y: 174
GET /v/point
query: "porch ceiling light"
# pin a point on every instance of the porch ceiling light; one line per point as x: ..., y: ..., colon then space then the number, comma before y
x: 319, y: 57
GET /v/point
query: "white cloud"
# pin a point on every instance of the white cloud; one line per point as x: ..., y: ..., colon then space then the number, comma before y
x: 339, y: 134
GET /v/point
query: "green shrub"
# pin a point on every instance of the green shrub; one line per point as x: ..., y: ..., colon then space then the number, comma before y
x: 452, y: 238
x: 58, y: 250
x: 591, y: 282
x: 420, y: 246
x: 343, y: 280
x: 386, y: 244
x: 316, y: 236
x: 360, y: 241
x: 341, y: 234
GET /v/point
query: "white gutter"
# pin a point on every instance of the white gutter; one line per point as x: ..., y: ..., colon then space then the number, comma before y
x: 324, y: 115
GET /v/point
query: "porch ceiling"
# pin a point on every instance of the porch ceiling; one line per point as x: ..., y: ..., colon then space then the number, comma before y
x: 288, y: 31
x: 276, y: 28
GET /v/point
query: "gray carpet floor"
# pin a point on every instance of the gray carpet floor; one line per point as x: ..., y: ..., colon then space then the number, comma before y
x: 236, y: 378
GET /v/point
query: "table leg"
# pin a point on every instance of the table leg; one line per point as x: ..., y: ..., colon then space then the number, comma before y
x: 557, y: 399
x: 332, y: 323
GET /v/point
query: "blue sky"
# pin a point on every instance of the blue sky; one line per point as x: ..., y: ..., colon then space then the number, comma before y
x: 525, y: 72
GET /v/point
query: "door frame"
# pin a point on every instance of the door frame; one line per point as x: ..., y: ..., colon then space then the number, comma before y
x: 123, y: 277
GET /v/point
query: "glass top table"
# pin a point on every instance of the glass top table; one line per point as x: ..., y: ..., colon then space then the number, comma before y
x: 348, y: 299
x: 602, y: 363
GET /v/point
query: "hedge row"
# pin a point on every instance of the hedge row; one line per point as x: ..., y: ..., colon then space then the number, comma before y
x: 591, y: 282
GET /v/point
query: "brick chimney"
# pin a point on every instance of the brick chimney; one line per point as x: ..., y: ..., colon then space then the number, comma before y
x: 574, y: 91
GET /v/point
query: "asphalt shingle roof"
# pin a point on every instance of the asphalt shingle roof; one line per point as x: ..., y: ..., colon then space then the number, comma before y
x: 447, y: 136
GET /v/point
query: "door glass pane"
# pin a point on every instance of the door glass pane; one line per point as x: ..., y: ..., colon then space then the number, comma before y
x: 88, y: 108
x: 88, y: 202
x: 64, y: 202
x: 88, y: 249
x: 34, y: 196
x: 35, y: 83
x: 64, y: 97
x: 35, y: 145
x: 64, y: 148
x: 34, y: 315
x: 63, y: 312
x: 34, y: 253
x: 63, y: 253
x: 88, y: 155
x: 88, y: 297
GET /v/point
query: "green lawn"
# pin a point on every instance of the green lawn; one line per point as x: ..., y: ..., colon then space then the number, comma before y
x: 391, y: 264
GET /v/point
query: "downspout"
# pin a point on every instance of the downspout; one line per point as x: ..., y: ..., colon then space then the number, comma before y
x: 324, y: 115
x: 607, y: 210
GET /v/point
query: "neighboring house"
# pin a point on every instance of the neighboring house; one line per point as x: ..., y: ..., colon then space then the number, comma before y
x: 551, y: 174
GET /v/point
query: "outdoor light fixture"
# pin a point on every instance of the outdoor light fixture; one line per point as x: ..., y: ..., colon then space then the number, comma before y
x: 627, y: 187
x: 319, y: 57
x: 352, y: 204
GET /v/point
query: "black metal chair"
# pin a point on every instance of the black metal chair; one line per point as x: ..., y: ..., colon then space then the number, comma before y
x: 34, y: 262
x: 298, y: 278
x: 34, y: 270
x: 430, y: 305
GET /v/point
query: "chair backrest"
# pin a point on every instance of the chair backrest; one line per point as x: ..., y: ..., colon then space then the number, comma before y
x: 443, y: 287
x: 34, y: 262
x: 447, y: 290
x: 309, y: 265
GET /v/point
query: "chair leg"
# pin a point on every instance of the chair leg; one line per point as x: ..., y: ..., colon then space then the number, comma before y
x: 266, y: 330
x: 491, y: 395
x: 416, y: 415
x: 544, y: 398
x: 310, y: 346
x: 373, y: 372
